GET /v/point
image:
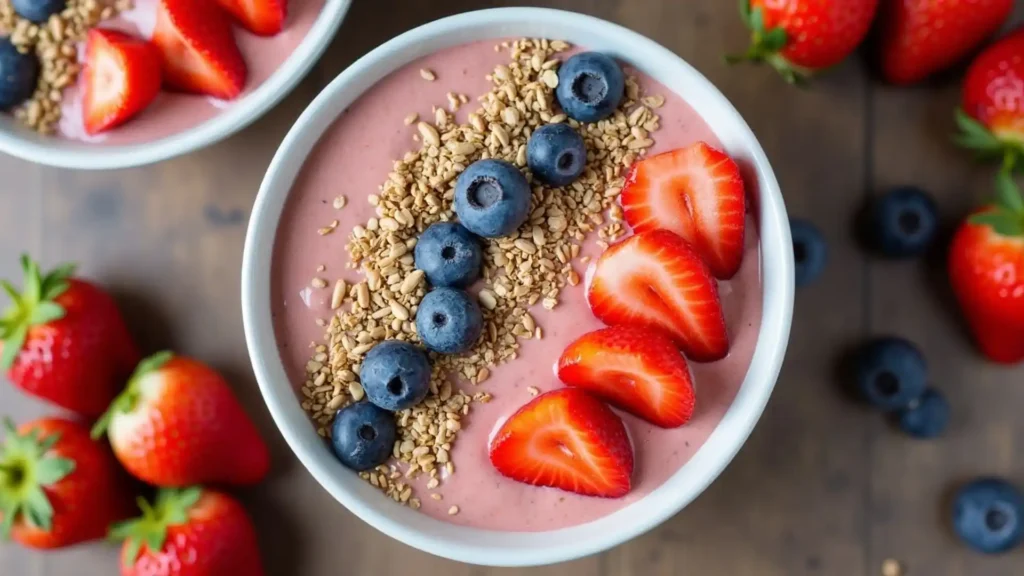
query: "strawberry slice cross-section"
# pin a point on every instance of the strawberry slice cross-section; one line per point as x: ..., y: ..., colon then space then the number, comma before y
x: 261, y: 17
x: 656, y: 279
x: 637, y: 369
x: 197, y: 45
x: 569, y: 440
x: 696, y: 192
x: 121, y: 78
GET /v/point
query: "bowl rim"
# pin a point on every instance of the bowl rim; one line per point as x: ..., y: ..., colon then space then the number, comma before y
x: 497, y: 548
x: 83, y: 156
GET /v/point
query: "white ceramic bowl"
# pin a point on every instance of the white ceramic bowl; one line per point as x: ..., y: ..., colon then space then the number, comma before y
x: 517, y: 548
x: 26, y: 144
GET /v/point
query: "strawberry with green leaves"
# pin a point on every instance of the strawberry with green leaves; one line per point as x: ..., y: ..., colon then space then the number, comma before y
x: 58, y: 487
x: 189, y: 532
x: 991, y: 117
x: 64, y: 340
x: 178, y: 423
x: 801, y: 37
x: 986, y: 271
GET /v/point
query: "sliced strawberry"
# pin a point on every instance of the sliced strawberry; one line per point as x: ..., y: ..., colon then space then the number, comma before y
x: 637, y: 369
x: 198, y: 48
x: 262, y: 17
x: 566, y: 439
x: 696, y: 192
x: 121, y: 78
x: 656, y: 279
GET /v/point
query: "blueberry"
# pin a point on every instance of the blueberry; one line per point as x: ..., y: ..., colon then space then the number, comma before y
x: 901, y: 223
x: 809, y: 251
x: 987, y: 515
x: 926, y: 417
x: 590, y: 86
x: 363, y: 436
x: 890, y: 373
x: 38, y: 10
x: 449, y: 255
x: 448, y: 321
x: 395, y: 375
x: 556, y: 154
x: 18, y: 75
x: 492, y: 198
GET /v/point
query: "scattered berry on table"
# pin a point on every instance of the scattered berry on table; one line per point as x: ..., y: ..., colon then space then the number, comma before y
x: 901, y: 223
x: 566, y: 439
x: 449, y: 255
x: 987, y: 515
x: 395, y: 375
x: 698, y: 193
x: 810, y: 252
x: 492, y: 198
x: 890, y: 373
x: 590, y: 86
x: 363, y: 435
x: 926, y: 417
x: 556, y: 154
x: 991, y: 118
x: 448, y: 321
x: 920, y: 38
x: 38, y: 11
x: 18, y: 75
x: 681, y: 300
x: 801, y: 37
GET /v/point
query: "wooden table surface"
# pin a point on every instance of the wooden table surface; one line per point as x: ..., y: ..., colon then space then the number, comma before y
x: 823, y: 487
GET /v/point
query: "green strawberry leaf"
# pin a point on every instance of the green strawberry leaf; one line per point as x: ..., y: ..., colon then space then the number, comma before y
x: 745, y: 12
x: 46, y: 312
x: 12, y: 342
x: 774, y: 40
x: 53, y: 470
x: 1007, y: 193
x: 1003, y: 223
x: 757, y: 20
x: 150, y: 530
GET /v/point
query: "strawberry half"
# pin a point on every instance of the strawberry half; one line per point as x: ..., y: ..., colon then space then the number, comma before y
x: 261, y: 17
x: 198, y: 49
x: 656, y: 279
x: 121, y: 78
x: 696, y: 192
x: 636, y: 369
x: 569, y: 440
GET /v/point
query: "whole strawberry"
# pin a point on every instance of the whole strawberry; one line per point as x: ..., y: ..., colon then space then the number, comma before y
x: 63, y: 339
x: 190, y: 532
x: 921, y: 37
x: 986, y: 271
x: 991, y: 120
x: 178, y: 423
x: 801, y: 37
x: 58, y: 487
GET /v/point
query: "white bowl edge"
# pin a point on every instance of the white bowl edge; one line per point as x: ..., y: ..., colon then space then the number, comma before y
x: 61, y: 153
x: 496, y: 548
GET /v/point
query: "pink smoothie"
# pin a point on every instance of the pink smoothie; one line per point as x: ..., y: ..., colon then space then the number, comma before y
x: 354, y: 158
x: 174, y: 113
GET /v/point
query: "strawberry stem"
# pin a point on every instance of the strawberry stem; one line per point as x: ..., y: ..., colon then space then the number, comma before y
x: 1006, y: 218
x: 32, y: 307
x: 150, y: 530
x: 765, y: 45
x: 26, y: 468
x: 126, y: 400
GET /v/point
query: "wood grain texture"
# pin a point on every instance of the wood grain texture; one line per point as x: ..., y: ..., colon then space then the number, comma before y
x: 823, y: 487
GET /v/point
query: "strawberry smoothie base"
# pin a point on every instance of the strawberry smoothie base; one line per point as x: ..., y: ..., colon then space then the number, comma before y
x: 172, y: 113
x: 353, y: 158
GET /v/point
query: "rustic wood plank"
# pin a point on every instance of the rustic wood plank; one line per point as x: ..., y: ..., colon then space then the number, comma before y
x: 911, y: 481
